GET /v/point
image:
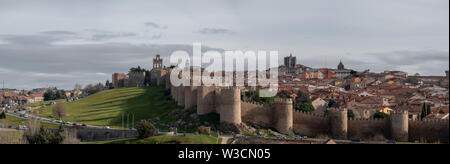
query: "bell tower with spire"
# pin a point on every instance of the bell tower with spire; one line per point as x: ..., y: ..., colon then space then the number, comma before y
x: 341, y: 66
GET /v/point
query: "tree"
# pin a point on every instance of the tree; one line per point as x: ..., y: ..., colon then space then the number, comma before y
x: 137, y: 69
x: 107, y: 83
x: 441, y: 112
x: 305, y: 107
x: 49, y: 95
x: 145, y: 129
x: 255, y: 96
x: 3, y: 115
x: 332, y: 103
x: 426, y: 110
x: 44, y: 136
x: 354, y: 73
x: 380, y: 115
x: 59, y: 111
x: 92, y: 89
x: 284, y: 94
x: 302, y: 98
x: 350, y: 114
x: 77, y: 87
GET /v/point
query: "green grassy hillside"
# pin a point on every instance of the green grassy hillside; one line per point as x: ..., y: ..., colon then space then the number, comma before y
x: 108, y: 107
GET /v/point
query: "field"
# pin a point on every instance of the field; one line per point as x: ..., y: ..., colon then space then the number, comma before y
x: 111, y: 107
x: 189, y: 139
x: 8, y: 136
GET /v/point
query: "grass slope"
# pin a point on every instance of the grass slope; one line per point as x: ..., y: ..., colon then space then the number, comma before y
x: 107, y: 107
x: 190, y: 139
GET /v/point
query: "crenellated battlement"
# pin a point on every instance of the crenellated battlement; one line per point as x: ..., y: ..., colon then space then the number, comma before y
x: 282, y: 101
x: 257, y: 104
x: 370, y: 119
x: 430, y: 121
x: 310, y: 114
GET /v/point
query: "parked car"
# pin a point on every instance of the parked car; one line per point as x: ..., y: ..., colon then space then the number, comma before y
x: 356, y: 139
x: 279, y: 136
x: 298, y: 137
x: 391, y: 142
x: 106, y: 127
x: 239, y: 136
x: 83, y: 125
x: 260, y: 136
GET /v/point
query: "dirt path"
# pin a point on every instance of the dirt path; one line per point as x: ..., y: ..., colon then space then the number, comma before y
x: 225, y: 139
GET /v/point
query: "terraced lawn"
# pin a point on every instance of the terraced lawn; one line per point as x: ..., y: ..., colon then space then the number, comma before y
x: 110, y: 106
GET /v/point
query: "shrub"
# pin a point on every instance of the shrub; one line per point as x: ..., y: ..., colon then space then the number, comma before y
x: 380, y: 115
x: 305, y: 107
x: 145, y: 129
x: 3, y: 115
x: 44, y: 136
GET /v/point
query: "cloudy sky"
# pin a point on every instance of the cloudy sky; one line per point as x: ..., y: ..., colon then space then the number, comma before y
x: 59, y: 43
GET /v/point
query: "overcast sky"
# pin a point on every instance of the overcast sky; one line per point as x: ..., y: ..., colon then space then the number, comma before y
x: 59, y: 43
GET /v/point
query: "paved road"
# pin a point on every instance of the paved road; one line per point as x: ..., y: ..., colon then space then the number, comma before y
x: 24, y: 115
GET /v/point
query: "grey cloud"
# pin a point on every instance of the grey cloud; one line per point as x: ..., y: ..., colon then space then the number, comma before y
x: 28, y: 66
x: 59, y: 33
x: 402, y: 58
x: 101, y: 35
x: 207, y: 31
x: 29, y: 40
x: 426, y: 62
x: 155, y: 25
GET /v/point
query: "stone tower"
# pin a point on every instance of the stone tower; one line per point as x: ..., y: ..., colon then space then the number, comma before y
x: 157, y: 62
x: 190, y: 96
x: 205, y: 100
x: 230, y: 105
x: 283, y: 115
x: 180, y: 95
x: 399, y: 126
x: 167, y: 79
x: 338, y: 123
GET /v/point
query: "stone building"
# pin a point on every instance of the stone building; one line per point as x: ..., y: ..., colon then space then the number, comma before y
x: 341, y: 72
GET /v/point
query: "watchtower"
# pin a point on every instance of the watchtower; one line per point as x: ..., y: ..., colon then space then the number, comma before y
x: 283, y: 115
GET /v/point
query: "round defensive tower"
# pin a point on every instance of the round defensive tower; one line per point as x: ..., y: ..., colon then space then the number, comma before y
x: 399, y: 126
x: 230, y: 105
x: 172, y: 91
x: 190, y: 95
x: 205, y: 100
x: 160, y: 77
x: 180, y: 95
x: 167, y: 77
x: 339, y: 123
x: 284, y: 115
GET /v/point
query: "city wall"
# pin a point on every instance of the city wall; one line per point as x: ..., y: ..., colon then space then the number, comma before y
x: 91, y: 134
x: 226, y: 101
x: 429, y: 130
x: 310, y: 124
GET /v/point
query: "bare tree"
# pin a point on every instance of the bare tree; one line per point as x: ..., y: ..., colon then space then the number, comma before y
x: 59, y: 111
x: 77, y: 87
